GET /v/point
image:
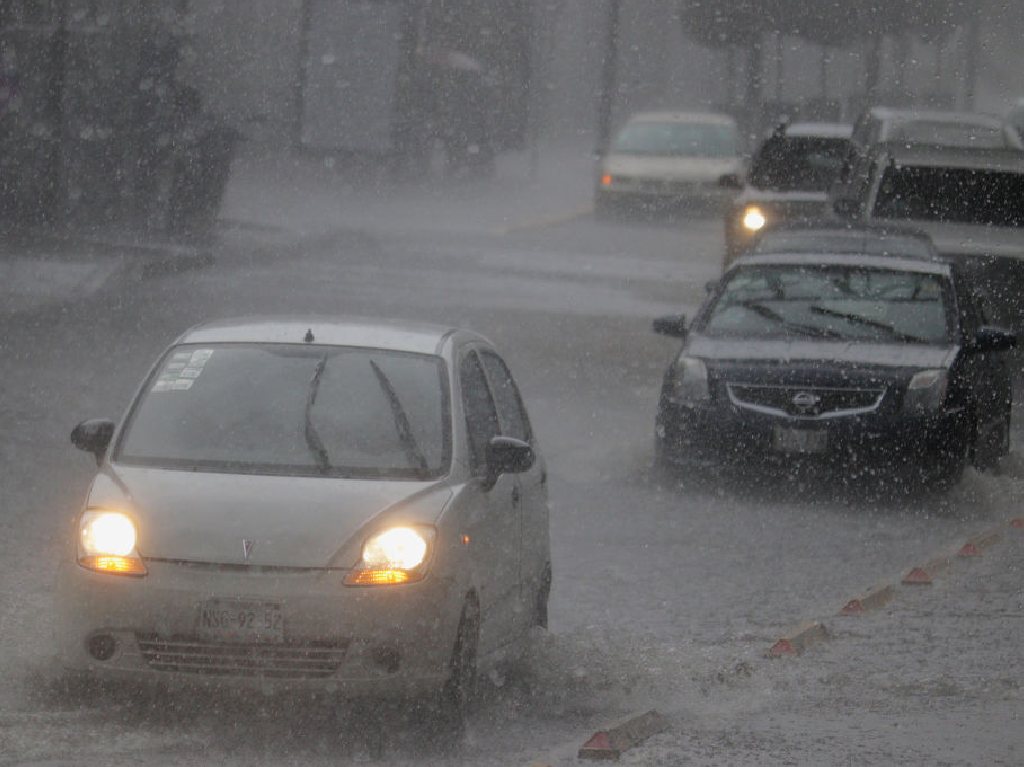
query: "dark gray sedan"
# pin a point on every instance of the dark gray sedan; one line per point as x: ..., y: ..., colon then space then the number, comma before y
x: 861, y: 361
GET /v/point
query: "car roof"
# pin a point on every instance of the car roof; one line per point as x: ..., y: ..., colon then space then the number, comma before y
x: 396, y: 335
x: 895, y: 263
x: 683, y: 117
x: 927, y: 115
x: 817, y: 236
x: 818, y: 130
x: 934, y: 156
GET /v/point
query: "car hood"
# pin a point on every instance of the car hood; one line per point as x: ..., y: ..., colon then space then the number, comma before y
x: 672, y: 168
x: 821, y: 352
x: 307, y: 522
x: 753, y: 194
x: 968, y: 239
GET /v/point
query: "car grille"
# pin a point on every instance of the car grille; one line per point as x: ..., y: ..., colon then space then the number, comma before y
x: 278, y: 661
x: 805, y: 402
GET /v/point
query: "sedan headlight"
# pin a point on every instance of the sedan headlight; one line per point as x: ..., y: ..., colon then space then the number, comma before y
x: 106, y: 543
x: 926, y: 391
x: 754, y: 219
x: 689, y: 381
x: 396, y: 555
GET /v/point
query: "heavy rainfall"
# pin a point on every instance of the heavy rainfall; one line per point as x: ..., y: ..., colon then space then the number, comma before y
x: 495, y: 382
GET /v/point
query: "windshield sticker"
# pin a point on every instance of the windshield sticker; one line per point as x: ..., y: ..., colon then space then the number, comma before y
x: 182, y: 371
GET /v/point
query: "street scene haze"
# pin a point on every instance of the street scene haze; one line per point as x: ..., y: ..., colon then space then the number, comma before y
x: 511, y: 382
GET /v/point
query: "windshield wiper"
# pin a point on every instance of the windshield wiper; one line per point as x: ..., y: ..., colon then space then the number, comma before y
x: 857, y: 319
x: 769, y: 314
x: 412, y: 449
x: 316, y: 445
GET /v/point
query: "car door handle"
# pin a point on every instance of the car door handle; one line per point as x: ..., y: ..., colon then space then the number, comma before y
x: 515, y: 496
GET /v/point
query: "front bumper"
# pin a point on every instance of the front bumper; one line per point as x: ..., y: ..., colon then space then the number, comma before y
x: 382, y: 642
x: 722, y: 434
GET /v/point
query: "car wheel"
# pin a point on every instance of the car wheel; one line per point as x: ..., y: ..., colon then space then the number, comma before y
x: 540, y: 615
x: 605, y: 208
x: 459, y: 691
x: 949, y: 469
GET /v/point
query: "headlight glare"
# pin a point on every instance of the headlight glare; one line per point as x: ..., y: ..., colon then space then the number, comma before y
x: 754, y: 219
x: 106, y: 543
x: 689, y: 381
x: 396, y: 555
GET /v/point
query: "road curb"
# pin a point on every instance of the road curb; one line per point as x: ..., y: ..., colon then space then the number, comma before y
x: 608, y: 744
x: 797, y: 641
x: 872, y: 599
x: 978, y: 544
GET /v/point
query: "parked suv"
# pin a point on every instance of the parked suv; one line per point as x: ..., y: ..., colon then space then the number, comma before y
x: 969, y: 201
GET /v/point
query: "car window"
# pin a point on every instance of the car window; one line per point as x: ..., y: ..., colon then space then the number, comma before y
x: 944, y: 133
x: 287, y: 409
x: 839, y: 303
x: 678, y: 139
x: 481, y: 416
x: 957, y: 195
x: 512, y: 414
x: 800, y: 163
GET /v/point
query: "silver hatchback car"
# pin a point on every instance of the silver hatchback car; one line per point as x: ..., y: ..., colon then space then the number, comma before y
x: 346, y: 505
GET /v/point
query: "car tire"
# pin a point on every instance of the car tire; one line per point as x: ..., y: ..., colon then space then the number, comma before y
x: 459, y: 691
x: 605, y: 208
x: 948, y: 470
x: 540, y: 614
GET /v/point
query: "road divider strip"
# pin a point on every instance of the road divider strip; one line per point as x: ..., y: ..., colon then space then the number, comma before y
x: 546, y: 221
x: 976, y: 545
x: 798, y: 640
x: 872, y: 599
x: 609, y: 743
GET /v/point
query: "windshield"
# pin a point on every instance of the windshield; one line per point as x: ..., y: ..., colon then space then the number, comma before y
x: 284, y: 409
x: 790, y: 164
x: 677, y: 139
x: 954, y: 134
x: 839, y: 303
x: 953, y: 195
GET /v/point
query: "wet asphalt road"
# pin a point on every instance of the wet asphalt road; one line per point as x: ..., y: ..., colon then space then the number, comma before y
x: 658, y: 586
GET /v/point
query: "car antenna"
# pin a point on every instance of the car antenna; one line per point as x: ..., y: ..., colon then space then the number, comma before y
x: 308, y: 338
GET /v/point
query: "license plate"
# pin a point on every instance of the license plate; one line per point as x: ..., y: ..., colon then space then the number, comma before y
x: 240, y: 620
x: 799, y: 440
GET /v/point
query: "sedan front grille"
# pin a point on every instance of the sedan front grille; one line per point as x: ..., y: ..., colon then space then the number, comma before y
x: 277, y: 661
x: 805, y: 402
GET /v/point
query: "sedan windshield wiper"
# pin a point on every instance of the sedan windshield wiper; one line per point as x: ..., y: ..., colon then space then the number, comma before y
x: 412, y: 449
x: 857, y: 319
x: 769, y: 314
x: 316, y: 445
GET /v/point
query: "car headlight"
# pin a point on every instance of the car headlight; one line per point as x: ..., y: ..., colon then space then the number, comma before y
x: 926, y: 391
x: 106, y: 543
x: 689, y: 381
x: 396, y: 555
x: 754, y: 219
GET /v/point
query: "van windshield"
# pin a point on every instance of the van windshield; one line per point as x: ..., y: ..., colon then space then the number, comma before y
x: 954, y: 195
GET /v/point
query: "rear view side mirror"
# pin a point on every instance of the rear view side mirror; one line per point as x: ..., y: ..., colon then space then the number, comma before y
x: 506, y: 455
x: 992, y: 339
x: 731, y: 181
x: 93, y: 437
x: 847, y: 207
x: 673, y: 326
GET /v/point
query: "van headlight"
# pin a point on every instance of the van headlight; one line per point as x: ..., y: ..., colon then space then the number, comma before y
x: 926, y: 392
x: 688, y: 384
x: 106, y: 543
x: 396, y: 555
x: 754, y: 219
